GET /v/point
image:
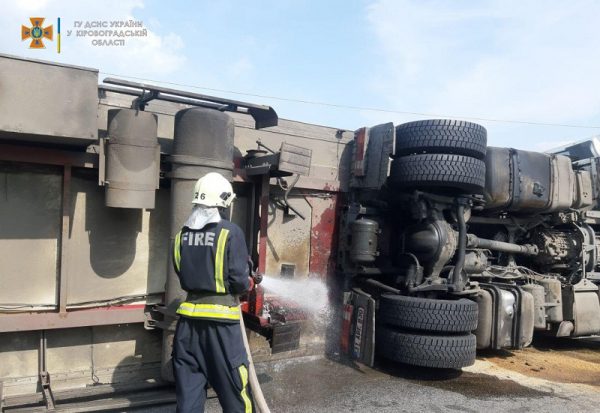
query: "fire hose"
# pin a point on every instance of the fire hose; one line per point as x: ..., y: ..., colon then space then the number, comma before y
x: 257, y: 394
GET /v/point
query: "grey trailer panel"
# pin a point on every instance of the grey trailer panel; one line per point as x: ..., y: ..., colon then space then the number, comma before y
x: 114, y: 252
x: 30, y: 208
x: 47, y: 102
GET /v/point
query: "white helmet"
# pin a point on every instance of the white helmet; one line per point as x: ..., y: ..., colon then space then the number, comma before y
x: 213, y: 190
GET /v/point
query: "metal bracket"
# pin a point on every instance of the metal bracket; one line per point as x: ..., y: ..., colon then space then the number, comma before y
x: 140, y: 102
x: 44, y: 375
x: 47, y: 390
x: 160, y: 317
x: 102, y: 161
x: 433, y: 284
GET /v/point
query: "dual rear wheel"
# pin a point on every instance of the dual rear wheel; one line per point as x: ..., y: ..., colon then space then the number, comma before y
x: 440, y: 154
x: 427, y: 332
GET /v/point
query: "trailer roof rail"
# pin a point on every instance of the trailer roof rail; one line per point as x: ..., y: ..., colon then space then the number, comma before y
x: 264, y: 116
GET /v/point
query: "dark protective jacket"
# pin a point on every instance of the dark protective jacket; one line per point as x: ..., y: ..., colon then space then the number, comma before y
x: 212, y: 265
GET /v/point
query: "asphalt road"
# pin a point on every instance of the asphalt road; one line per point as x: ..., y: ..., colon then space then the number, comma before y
x: 321, y: 385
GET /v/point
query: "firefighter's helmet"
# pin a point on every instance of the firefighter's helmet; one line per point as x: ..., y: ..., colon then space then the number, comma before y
x: 213, y: 190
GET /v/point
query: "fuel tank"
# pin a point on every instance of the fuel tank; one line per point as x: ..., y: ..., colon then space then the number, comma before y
x: 526, y: 182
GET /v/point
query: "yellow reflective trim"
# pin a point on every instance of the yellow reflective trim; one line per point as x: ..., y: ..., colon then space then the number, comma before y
x: 220, y: 258
x: 196, y: 314
x: 209, y: 311
x: 177, y: 251
x: 210, y: 307
x: 244, y: 376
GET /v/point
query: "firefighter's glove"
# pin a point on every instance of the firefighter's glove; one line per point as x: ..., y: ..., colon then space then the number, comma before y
x: 252, y: 283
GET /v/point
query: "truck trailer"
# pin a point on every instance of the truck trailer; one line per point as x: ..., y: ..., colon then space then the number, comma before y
x: 95, y: 176
x: 431, y: 244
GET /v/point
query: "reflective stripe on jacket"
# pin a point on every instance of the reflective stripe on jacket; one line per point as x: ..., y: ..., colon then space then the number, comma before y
x: 211, y: 311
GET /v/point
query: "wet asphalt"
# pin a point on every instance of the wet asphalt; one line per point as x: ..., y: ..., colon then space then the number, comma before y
x: 324, y: 385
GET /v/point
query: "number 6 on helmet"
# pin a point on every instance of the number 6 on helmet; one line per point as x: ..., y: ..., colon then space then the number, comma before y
x: 213, y: 190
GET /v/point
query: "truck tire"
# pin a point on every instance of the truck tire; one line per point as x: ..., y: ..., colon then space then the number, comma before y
x: 445, y: 352
x: 442, y: 171
x: 426, y: 314
x: 441, y: 136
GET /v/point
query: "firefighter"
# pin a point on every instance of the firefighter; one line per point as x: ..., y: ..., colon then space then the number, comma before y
x: 211, y: 259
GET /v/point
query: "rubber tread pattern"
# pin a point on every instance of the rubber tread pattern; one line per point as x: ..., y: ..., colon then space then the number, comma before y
x: 439, y: 170
x: 441, y: 136
x: 447, y: 352
x: 426, y: 314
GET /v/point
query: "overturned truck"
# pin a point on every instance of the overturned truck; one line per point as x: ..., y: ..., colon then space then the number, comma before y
x: 458, y: 246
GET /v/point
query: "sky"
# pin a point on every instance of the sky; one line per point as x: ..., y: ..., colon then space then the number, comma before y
x: 370, y: 61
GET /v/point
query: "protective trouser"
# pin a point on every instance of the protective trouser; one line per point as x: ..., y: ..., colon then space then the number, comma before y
x: 212, y: 352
